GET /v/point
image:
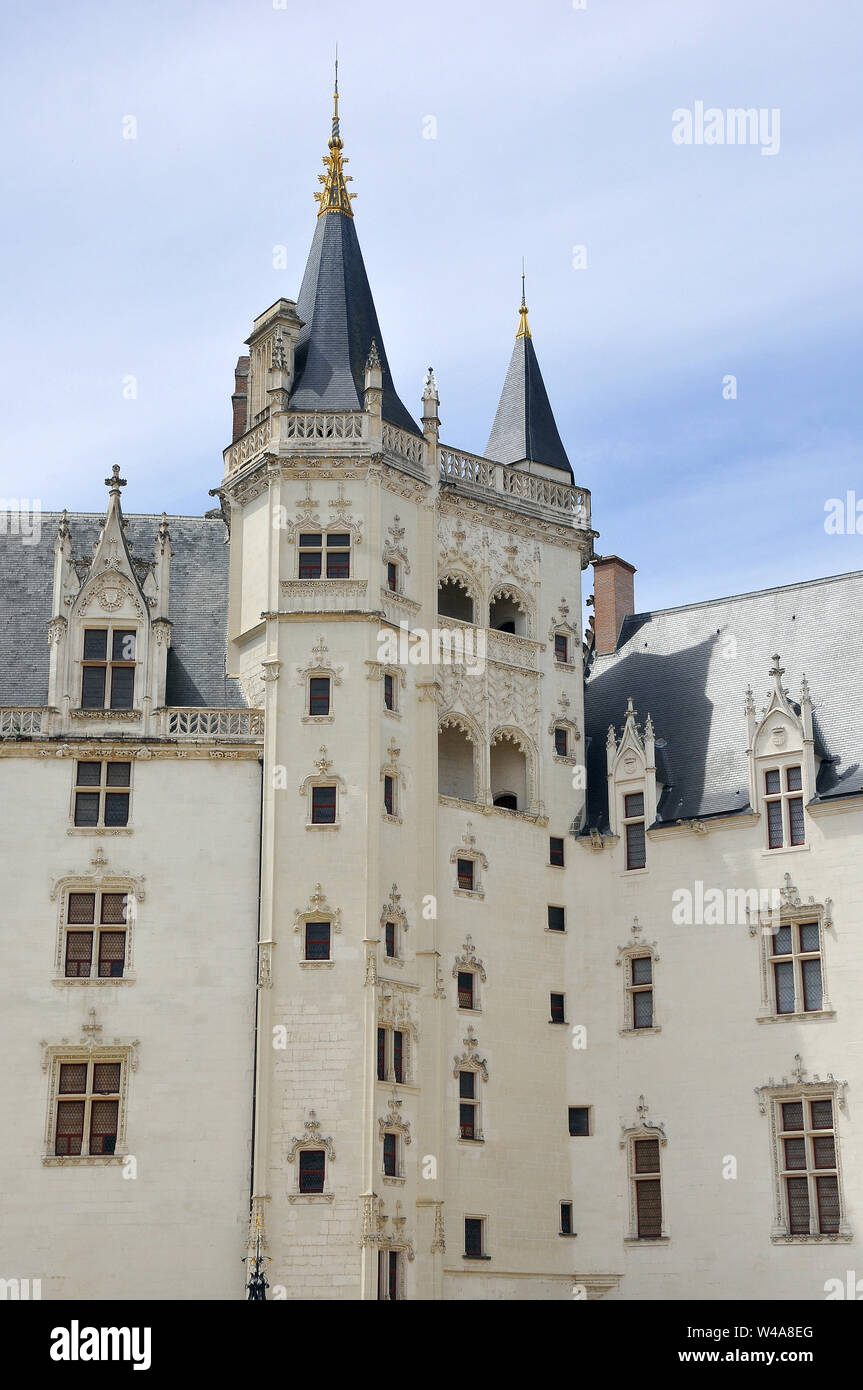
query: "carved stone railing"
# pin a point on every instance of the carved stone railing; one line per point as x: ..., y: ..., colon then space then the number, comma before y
x: 318, y: 426
x: 503, y: 647
x: 179, y: 722
x: 402, y: 444
x: 24, y: 720
x: 248, y: 446
x: 571, y: 503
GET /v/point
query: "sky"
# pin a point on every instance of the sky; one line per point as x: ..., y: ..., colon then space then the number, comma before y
x: 477, y: 134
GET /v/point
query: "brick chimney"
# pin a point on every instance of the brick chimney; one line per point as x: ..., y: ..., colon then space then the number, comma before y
x: 613, y: 600
x: 240, y: 398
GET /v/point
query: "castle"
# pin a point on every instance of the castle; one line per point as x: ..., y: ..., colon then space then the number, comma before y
x: 344, y: 963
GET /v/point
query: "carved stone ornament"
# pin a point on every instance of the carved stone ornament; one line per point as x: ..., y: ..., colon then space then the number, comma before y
x: 318, y: 909
x: 469, y: 1059
x: 469, y: 961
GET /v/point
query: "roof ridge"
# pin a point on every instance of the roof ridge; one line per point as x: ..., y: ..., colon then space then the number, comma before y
x: 750, y: 593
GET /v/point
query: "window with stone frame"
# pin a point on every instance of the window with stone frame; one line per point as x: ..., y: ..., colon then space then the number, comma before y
x: 783, y: 807
x: 87, y: 1101
x: 795, y: 968
x: 392, y: 1055
x: 317, y: 937
x: 324, y: 804
x: 324, y: 555
x: 556, y: 851
x: 634, y: 830
x: 809, y: 1201
x: 639, y: 1010
x: 94, y: 934
x: 108, y: 667
x: 390, y: 1275
x: 475, y: 1238
x: 469, y: 1126
x: 319, y: 696
x: 102, y: 793
x: 312, y: 1170
x: 646, y: 1178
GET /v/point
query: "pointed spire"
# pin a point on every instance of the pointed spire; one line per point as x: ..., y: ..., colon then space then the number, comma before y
x: 523, y: 325
x: 335, y: 197
x: 337, y: 310
x: 524, y: 429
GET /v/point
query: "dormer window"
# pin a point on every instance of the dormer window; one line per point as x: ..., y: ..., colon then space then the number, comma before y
x: 784, y: 804
x: 325, y: 555
x: 108, y: 668
x: 633, y: 819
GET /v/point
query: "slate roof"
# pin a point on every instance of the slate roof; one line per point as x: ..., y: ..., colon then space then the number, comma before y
x: 524, y: 427
x: 340, y: 321
x: 681, y: 666
x: 198, y: 607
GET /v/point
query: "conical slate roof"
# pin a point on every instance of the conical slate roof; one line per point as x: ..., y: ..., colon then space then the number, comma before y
x: 336, y: 305
x: 524, y: 427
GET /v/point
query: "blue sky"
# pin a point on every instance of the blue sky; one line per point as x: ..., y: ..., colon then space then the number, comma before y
x: 150, y: 257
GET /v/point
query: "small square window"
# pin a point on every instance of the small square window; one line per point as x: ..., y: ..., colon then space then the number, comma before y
x: 323, y: 805
x: 557, y: 918
x: 319, y: 695
x: 317, y: 940
x: 465, y: 869
x: 579, y: 1120
x: 473, y: 1236
x: 558, y: 1012
x: 555, y: 851
x: 312, y: 1168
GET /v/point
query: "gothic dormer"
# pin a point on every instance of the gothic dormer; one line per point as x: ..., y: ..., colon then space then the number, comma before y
x: 632, y: 789
x: 782, y: 761
x: 109, y: 631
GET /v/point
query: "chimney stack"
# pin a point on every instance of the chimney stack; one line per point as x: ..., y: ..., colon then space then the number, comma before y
x: 613, y: 600
x: 240, y: 398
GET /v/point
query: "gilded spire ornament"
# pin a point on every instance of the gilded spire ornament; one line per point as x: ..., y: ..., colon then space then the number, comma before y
x: 523, y: 326
x: 335, y: 196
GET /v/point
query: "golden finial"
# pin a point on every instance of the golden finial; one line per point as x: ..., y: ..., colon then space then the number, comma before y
x: 523, y: 326
x: 335, y: 197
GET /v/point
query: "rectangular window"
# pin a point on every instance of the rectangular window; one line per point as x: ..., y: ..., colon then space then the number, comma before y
x: 391, y: 1160
x: 465, y: 869
x: 640, y: 991
x: 557, y: 1009
x: 648, y: 1188
x: 579, y: 1121
x: 310, y: 556
x: 566, y: 1218
x: 317, y: 940
x: 390, y: 795
x: 389, y: 692
x: 312, y: 1168
x: 107, y: 679
x: 391, y: 1055
x: 468, y: 1110
x: 465, y: 989
x: 555, y: 851
x: 389, y: 1275
x: 382, y: 1054
x: 786, y: 824
x: 319, y: 695
x: 99, y: 914
x: 338, y: 556
x: 633, y: 814
x: 561, y: 742
x: 795, y: 963
x: 392, y: 577
x: 557, y: 918
x: 323, y: 805
x: 808, y: 1166
x: 88, y: 1105
x: 102, y: 793
x: 390, y: 939
x: 561, y: 647
x: 473, y: 1236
